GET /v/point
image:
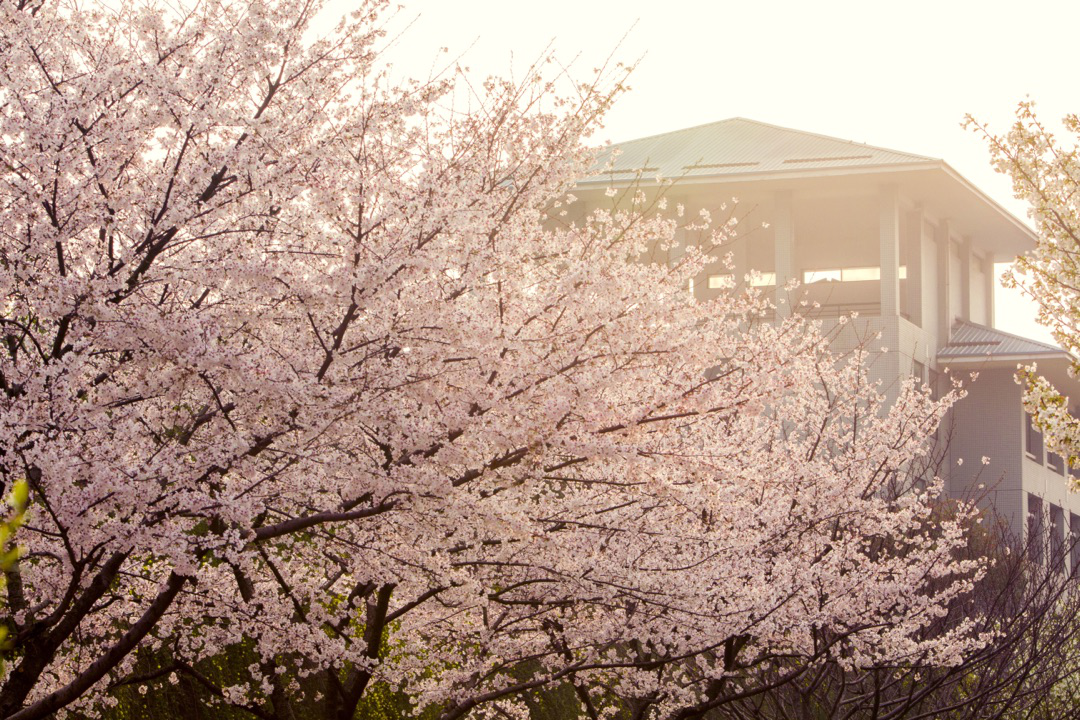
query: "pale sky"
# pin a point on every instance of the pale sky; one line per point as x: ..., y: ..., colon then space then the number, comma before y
x: 898, y: 75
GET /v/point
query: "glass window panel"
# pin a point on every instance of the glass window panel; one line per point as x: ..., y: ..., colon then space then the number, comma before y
x: 815, y: 276
x: 918, y: 370
x: 763, y: 279
x: 860, y: 274
x: 1057, y: 538
x: 1033, y: 439
x: 1036, y: 534
x: 1074, y: 541
x: 721, y: 282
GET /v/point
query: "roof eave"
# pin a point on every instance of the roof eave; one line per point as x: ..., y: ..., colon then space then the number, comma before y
x: 974, y: 189
x: 985, y: 359
x: 713, y: 178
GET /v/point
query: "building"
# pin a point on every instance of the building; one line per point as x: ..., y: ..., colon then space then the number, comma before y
x: 903, y: 240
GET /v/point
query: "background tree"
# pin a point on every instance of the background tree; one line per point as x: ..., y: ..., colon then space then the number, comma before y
x: 9, y: 548
x: 1046, y: 174
x: 1029, y: 607
x: 300, y: 365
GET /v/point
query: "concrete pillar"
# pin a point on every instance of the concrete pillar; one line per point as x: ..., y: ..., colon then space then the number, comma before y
x: 914, y: 246
x: 991, y: 282
x: 966, y: 259
x: 889, y: 225
x: 784, y: 253
x: 944, y: 294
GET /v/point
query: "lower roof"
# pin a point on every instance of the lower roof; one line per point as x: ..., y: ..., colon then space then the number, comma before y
x: 971, y: 342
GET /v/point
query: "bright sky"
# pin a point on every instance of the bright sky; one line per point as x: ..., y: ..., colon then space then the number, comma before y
x: 898, y: 75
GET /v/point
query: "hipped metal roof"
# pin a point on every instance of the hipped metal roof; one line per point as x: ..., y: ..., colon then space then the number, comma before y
x: 739, y: 150
x: 973, y: 342
x: 739, y: 146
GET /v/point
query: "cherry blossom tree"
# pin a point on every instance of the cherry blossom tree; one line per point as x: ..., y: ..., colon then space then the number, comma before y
x: 1027, y: 603
x: 1046, y: 174
x: 9, y: 548
x: 303, y: 362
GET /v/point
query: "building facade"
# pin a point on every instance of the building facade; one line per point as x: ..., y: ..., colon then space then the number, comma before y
x: 901, y: 239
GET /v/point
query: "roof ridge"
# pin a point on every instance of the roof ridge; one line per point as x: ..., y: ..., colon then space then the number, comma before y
x: 675, y: 132
x: 837, y: 139
x: 1013, y: 336
x: 797, y: 131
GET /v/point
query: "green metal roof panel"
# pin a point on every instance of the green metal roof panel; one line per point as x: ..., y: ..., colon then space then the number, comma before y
x: 738, y: 146
x: 971, y: 341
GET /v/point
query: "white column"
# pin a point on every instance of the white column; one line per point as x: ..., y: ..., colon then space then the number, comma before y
x: 784, y: 253
x: 945, y: 309
x: 914, y: 266
x: 889, y: 224
x: 991, y: 282
x: 966, y: 258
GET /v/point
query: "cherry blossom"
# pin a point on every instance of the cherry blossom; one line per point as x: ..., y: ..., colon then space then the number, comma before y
x: 1045, y: 173
x: 304, y: 360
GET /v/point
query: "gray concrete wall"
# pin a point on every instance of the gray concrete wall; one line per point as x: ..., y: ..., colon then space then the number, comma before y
x: 988, y: 422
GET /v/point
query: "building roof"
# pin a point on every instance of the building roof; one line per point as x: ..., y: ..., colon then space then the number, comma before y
x: 973, y: 342
x: 738, y: 146
x: 740, y: 151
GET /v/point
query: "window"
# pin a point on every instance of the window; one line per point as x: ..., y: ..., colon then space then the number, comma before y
x: 1032, y: 439
x: 763, y: 279
x: 851, y: 274
x: 918, y: 370
x: 936, y: 384
x: 1036, y: 531
x: 815, y: 276
x: 1074, y: 541
x: 691, y: 286
x: 721, y: 282
x: 860, y: 274
x: 1055, y: 463
x: 1057, y: 538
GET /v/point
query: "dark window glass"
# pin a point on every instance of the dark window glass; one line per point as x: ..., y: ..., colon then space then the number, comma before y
x: 1057, y: 538
x: 1074, y: 540
x: 1033, y: 439
x: 1036, y: 534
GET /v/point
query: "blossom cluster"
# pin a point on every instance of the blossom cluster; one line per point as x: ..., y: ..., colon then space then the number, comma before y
x: 301, y: 360
x: 1046, y: 173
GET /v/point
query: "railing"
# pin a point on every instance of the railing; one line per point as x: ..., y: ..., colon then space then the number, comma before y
x: 833, y: 310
